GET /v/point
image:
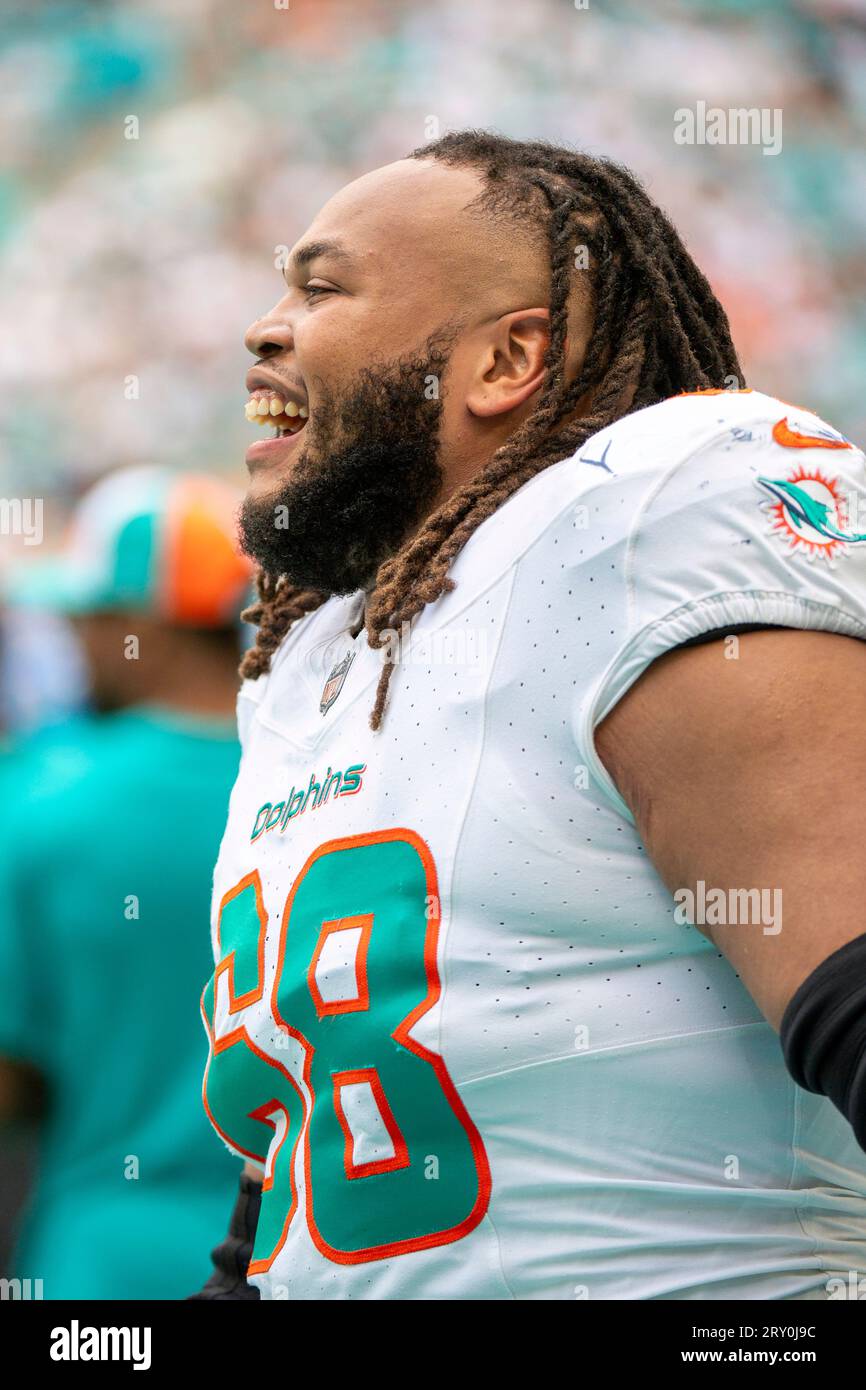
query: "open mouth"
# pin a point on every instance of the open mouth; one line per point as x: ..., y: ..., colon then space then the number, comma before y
x: 266, y: 407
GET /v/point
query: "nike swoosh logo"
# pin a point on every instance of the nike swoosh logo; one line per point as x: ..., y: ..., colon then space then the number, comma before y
x: 792, y: 439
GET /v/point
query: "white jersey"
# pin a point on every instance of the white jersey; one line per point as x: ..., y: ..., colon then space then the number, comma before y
x: 454, y: 1017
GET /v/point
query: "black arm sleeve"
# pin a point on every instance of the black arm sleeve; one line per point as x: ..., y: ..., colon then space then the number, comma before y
x: 231, y: 1258
x: 823, y: 1033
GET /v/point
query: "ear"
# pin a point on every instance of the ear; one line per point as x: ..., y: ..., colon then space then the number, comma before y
x: 511, y: 362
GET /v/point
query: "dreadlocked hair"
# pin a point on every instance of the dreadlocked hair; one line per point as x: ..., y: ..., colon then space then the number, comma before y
x: 279, y: 605
x: 658, y: 330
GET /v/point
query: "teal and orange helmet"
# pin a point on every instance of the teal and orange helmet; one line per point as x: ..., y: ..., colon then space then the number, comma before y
x: 146, y: 540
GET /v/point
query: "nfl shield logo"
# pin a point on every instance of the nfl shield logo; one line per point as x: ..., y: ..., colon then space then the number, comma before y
x: 334, y: 683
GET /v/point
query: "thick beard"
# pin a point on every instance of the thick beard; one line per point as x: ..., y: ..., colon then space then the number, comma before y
x: 367, y: 475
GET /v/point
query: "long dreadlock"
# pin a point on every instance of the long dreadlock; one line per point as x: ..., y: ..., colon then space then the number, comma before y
x: 658, y: 330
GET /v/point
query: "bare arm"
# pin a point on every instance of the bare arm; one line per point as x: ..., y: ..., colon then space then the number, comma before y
x: 751, y: 773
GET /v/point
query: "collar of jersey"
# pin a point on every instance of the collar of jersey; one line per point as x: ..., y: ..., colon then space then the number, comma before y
x: 480, y: 565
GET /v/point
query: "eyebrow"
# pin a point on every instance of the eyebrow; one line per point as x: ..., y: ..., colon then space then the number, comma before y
x: 314, y: 249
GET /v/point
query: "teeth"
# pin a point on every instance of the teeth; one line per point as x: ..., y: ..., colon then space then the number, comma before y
x: 270, y: 409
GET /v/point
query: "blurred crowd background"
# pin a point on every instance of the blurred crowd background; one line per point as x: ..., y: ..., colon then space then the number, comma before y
x: 147, y: 256
x: 156, y: 153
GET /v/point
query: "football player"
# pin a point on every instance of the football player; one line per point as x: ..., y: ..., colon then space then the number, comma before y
x: 538, y: 919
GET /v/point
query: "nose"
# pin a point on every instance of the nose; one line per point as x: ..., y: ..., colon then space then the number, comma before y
x: 270, y: 334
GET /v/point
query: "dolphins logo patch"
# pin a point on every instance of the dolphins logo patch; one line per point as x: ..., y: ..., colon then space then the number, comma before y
x: 808, y: 510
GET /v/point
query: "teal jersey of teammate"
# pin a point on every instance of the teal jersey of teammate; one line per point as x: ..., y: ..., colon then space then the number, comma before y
x: 108, y: 832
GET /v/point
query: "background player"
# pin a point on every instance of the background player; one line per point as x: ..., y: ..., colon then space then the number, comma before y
x: 109, y: 827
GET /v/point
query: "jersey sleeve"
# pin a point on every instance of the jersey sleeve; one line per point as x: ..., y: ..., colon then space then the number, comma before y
x: 764, y: 525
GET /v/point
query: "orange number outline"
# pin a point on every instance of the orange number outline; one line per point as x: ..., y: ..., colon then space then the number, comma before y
x: 401, y: 1036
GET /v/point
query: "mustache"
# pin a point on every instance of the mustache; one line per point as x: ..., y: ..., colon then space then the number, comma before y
x: 291, y: 378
